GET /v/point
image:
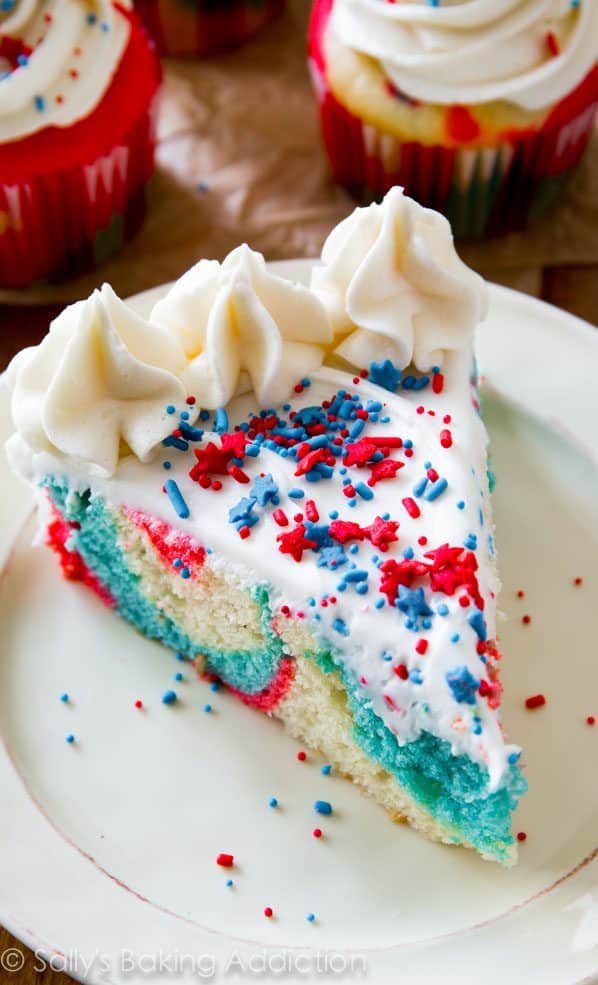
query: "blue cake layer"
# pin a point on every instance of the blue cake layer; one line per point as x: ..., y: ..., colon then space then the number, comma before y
x: 452, y: 788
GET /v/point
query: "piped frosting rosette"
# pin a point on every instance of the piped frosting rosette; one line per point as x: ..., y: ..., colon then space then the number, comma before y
x: 395, y: 288
x: 101, y: 383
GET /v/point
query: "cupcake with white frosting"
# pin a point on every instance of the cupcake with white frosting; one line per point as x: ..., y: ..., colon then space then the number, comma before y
x: 77, y: 88
x: 479, y: 108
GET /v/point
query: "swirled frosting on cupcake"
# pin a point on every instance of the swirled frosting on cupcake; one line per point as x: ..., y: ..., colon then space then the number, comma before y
x: 394, y: 287
x: 527, y: 52
x: 57, y: 59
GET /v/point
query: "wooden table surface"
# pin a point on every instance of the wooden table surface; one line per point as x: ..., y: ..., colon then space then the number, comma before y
x: 572, y: 288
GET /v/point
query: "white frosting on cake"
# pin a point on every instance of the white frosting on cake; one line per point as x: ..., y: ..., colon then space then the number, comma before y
x: 76, y: 49
x: 475, y: 51
x: 372, y: 631
x: 394, y: 287
x: 243, y: 329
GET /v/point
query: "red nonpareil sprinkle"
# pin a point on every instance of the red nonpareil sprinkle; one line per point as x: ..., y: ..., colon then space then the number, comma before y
x: 74, y: 73
x: 432, y: 475
x: 298, y: 388
x: 364, y: 373
x: 226, y: 861
x: 301, y: 756
x: 552, y: 43
x: 577, y: 582
x: 244, y: 533
x: 216, y: 485
x: 447, y: 419
x: 446, y: 438
x: 285, y: 610
x: 268, y: 911
x: 356, y: 380
x: 281, y: 518
x: 311, y: 511
x: 411, y: 507
x: 526, y: 620
x: 421, y: 646
x: 535, y: 701
x: 520, y: 594
x: 408, y: 452
x: 422, y: 541
x: 238, y: 474
x: 521, y: 836
x: 317, y: 832
x: 420, y: 409
x: 190, y: 400
x: 590, y: 720
x: 464, y: 601
x: 139, y: 704
x: 401, y: 671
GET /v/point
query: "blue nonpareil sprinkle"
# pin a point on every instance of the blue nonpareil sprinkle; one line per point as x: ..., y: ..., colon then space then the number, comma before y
x: 170, y: 409
x: 70, y: 739
x: 356, y: 429
x: 169, y: 698
x: 340, y: 626
x: 461, y: 505
x: 478, y: 623
x: 185, y: 573
x: 419, y: 487
x: 40, y: 103
x: 326, y: 769
x: 273, y: 802
x: 310, y: 917
x: 178, y: 676
x: 207, y: 709
x: 471, y: 542
x: 323, y: 807
x: 175, y: 496
x: 364, y: 491
x: 167, y: 465
x: 64, y: 698
x: 190, y: 433
x: 171, y: 442
x: 436, y: 490
x: 215, y: 686
x: 221, y: 421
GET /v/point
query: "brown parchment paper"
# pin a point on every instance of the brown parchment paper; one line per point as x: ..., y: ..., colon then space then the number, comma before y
x: 240, y: 159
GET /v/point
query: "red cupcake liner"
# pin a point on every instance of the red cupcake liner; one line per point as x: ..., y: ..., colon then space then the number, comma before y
x: 70, y: 198
x: 482, y: 190
x: 180, y: 29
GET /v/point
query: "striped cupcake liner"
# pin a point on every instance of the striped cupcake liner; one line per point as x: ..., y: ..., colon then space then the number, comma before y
x: 58, y: 225
x: 180, y: 28
x: 483, y: 191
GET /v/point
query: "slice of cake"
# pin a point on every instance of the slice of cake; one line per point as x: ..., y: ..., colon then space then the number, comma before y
x: 289, y: 486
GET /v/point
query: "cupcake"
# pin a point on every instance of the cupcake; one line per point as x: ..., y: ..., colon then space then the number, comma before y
x: 201, y: 27
x: 77, y: 89
x: 479, y: 108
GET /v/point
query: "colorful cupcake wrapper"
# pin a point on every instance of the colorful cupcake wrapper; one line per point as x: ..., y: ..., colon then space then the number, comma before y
x: 483, y: 191
x: 57, y: 225
x: 204, y: 26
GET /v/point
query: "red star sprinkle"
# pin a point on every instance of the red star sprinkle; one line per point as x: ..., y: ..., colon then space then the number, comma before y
x: 295, y: 542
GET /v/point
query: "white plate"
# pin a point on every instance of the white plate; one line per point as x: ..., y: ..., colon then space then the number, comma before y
x: 108, y: 846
